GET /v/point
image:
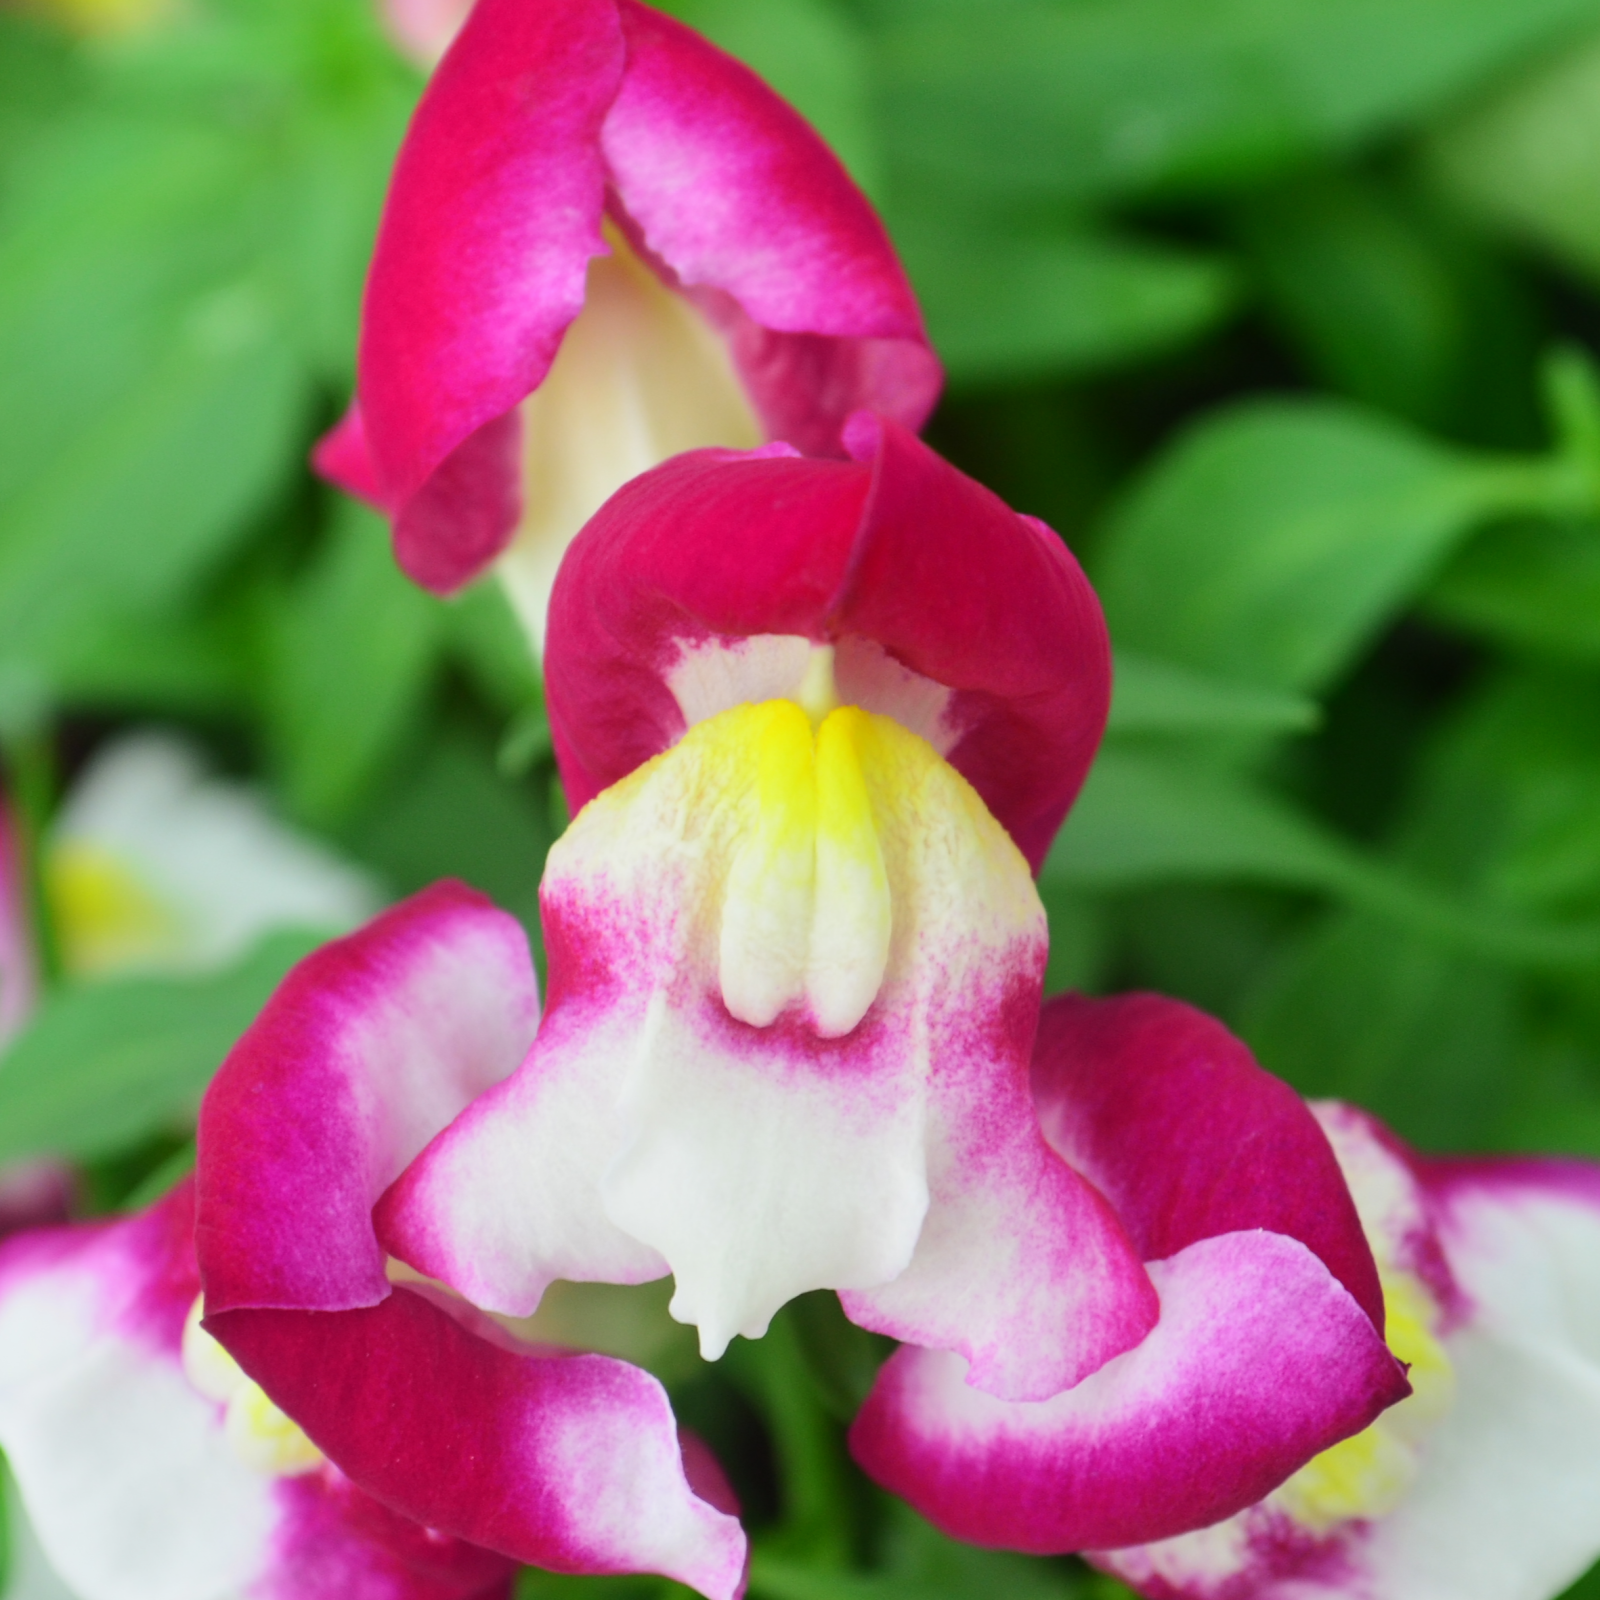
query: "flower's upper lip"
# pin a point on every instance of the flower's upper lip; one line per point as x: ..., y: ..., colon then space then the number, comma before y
x: 898, y: 548
x: 541, y: 116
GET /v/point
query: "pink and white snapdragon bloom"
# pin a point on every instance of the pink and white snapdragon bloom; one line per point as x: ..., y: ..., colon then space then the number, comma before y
x: 1485, y: 1483
x: 476, y: 1428
x: 151, y: 1468
x: 1268, y: 1347
x: 817, y: 719
x: 606, y: 242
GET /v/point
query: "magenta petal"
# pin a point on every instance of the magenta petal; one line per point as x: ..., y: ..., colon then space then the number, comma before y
x: 492, y: 217
x: 1259, y: 1361
x: 342, y: 457
x: 959, y: 588
x: 125, y: 1467
x: 569, y: 1462
x: 906, y: 552
x: 369, y: 1047
x: 1169, y: 1116
x: 733, y: 191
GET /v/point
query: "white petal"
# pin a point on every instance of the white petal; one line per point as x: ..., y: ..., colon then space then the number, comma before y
x: 156, y: 866
x: 640, y: 376
x: 1507, y: 1505
x: 123, y: 1467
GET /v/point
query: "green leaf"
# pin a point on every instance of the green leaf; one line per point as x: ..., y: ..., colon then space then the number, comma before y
x: 1274, y: 540
x: 1156, y: 816
x: 1005, y: 304
x: 488, y: 641
x: 1152, y: 816
x: 1527, y: 157
x: 1109, y: 97
x: 1159, y: 697
x: 451, y: 814
x: 147, y: 394
x: 351, y: 655
x: 102, y: 1064
x: 1389, y: 304
x: 813, y: 54
x: 922, y: 1564
x: 1366, y: 1011
x: 1530, y: 585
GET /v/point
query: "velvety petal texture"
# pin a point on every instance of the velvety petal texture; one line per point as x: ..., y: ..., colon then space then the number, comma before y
x: 371, y: 1045
x: 561, y: 146
x: 1485, y: 1485
x: 1265, y: 1351
x: 133, y: 1476
x: 810, y: 711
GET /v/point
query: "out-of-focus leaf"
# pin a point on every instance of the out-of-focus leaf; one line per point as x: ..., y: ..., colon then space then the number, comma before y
x: 147, y: 395
x: 155, y: 662
x: 487, y: 639
x: 1153, y: 816
x: 1272, y: 542
x: 103, y: 1063
x: 1527, y: 156
x: 1388, y: 304
x: 1148, y: 816
x: 161, y: 1179
x: 1366, y: 1011
x: 147, y: 501
x: 814, y: 54
x: 1511, y: 801
x: 921, y: 1564
x: 40, y: 73
x: 351, y: 654
x: 1159, y: 697
x: 535, y: 1585
x: 1107, y: 97
x: 841, y: 1359
x: 1005, y: 304
x: 453, y: 815
x: 1532, y: 585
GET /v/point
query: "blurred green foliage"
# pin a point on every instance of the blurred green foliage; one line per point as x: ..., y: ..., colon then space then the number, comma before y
x: 1282, y: 311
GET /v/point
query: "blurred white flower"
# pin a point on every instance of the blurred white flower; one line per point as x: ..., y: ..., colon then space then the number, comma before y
x: 156, y: 866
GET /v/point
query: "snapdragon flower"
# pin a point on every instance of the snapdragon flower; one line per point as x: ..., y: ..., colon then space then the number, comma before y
x: 151, y: 1468
x: 1269, y: 1344
x: 606, y: 242
x: 816, y: 720
x: 474, y: 1427
x: 1485, y: 1483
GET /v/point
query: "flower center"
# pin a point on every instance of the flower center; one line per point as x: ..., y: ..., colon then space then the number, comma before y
x: 261, y: 1435
x: 641, y: 375
x: 1369, y: 1473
